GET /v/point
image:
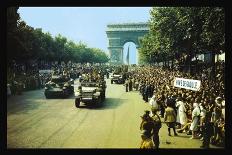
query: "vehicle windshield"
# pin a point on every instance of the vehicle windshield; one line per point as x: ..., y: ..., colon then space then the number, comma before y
x: 59, y: 80
x: 89, y: 84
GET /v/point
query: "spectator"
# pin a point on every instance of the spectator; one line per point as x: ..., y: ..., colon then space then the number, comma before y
x: 170, y: 119
x: 195, y: 120
x: 181, y: 114
x: 8, y: 90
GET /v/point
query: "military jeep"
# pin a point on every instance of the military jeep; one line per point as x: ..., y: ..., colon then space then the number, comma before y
x: 118, y: 78
x: 90, y: 93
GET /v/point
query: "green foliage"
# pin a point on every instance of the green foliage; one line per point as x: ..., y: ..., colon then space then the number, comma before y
x: 26, y: 43
x: 178, y: 31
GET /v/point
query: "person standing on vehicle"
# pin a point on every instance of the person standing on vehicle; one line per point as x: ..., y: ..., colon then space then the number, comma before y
x: 156, y: 127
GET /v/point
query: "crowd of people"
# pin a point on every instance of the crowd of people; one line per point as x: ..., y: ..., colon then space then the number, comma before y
x: 197, y: 113
x: 17, y: 82
x: 21, y: 78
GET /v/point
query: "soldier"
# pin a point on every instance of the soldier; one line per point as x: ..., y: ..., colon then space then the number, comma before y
x: 107, y: 74
x: 156, y: 127
x: 130, y: 85
x: 136, y: 85
x: 126, y: 85
x: 207, y: 130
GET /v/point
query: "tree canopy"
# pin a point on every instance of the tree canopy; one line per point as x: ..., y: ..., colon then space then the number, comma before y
x: 27, y: 43
x: 178, y: 33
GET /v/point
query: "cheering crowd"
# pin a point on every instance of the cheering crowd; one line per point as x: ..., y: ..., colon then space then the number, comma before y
x: 197, y: 113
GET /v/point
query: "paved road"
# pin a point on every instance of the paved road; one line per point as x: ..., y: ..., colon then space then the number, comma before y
x: 36, y: 122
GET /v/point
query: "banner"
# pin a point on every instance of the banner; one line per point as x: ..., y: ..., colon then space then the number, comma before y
x: 187, y: 84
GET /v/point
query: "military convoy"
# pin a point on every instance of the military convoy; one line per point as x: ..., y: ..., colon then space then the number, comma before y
x: 117, y: 78
x: 59, y: 86
x: 89, y: 92
x: 119, y: 75
x: 89, y: 89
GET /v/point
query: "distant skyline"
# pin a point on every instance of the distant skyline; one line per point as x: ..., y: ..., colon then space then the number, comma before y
x: 85, y: 24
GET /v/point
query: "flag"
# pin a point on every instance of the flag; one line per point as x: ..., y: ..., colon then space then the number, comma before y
x: 127, y: 56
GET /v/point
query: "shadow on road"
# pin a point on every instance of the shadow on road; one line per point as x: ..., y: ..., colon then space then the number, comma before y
x: 31, y: 100
x: 109, y: 103
x: 20, y: 107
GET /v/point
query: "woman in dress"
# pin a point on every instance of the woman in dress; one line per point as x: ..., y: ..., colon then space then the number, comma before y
x: 195, y: 120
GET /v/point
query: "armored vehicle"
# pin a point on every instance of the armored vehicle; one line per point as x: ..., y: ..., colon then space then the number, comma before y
x: 92, y: 93
x: 117, y: 78
x: 119, y: 75
x: 59, y: 86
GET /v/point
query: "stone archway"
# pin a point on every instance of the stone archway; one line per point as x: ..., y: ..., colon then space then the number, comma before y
x: 119, y: 34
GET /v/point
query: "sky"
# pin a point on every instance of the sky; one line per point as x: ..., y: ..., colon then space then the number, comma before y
x: 85, y: 24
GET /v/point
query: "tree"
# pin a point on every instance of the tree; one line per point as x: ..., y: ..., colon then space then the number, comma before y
x: 13, y: 42
x: 24, y: 43
x: 179, y: 33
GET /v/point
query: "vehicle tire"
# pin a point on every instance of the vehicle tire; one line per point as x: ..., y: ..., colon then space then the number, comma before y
x: 47, y: 96
x: 111, y: 81
x: 103, y: 96
x: 72, y: 90
x: 96, y: 102
x: 65, y: 94
x: 77, y: 102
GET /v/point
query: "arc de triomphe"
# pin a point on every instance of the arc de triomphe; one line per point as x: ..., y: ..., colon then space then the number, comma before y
x: 119, y: 34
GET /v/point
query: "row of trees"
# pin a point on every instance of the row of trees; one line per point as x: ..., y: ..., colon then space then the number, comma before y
x: 26, y: 43
x: 180, y: 33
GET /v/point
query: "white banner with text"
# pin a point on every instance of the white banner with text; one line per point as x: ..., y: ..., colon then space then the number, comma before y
x: 187, y: 83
